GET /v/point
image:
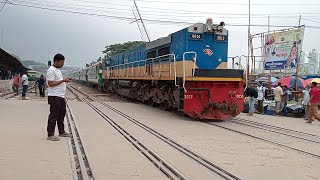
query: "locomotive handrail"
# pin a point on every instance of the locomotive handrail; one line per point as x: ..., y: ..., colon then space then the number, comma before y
x: 152, y: 64
x: 184, y: 67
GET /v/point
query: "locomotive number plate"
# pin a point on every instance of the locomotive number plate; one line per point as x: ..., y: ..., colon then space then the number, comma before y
x: 220, y: 38
x: 240, y: 96
x: 188, y: 96
x: 195, y: 36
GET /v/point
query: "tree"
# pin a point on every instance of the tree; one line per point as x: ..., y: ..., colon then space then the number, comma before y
x: 118, y: 48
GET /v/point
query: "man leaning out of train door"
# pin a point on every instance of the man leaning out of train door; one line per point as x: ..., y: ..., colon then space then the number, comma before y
x: 252, y: 93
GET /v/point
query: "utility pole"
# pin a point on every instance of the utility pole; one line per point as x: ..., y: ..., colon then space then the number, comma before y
x: 144, y: 27
x: 136, y: 20
x: 298, y: 62
x: 248, y: 43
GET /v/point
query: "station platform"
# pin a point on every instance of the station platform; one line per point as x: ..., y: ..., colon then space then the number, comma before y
x: 25, y: 153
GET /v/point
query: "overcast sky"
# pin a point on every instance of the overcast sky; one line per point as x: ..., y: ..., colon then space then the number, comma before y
x: 38, y: 34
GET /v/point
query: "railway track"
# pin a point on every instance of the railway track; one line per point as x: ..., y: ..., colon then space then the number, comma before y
x: 308, y: 153
x: 159, y: 162
x: 279, y: 130
x: 9, y: 95
x: 194, y: 156
x: 81, y: 168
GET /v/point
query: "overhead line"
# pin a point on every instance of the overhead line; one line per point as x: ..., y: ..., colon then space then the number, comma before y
x: 311, y: 20
x: 149, y: 20
x: 3, y: 6
x: 175, y: 11
x: 239, y: 4
x: 157, y: 14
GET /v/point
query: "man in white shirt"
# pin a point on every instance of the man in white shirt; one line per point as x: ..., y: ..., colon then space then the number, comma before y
x: 25, y: 83
x: 56, y: 98
x: 261, y: 91
x: 306, y: 99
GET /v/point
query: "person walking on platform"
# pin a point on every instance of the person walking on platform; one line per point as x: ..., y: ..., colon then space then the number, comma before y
x: 25, y: 83
x: 286, y: 96
x: 252, y: 94
x: 41, y: 87
x: 314, y: 102
x: 56, y: 98
x: 278, y: 93
x: 15, y: 83
x: 306, y: 99
x: 261, y: 92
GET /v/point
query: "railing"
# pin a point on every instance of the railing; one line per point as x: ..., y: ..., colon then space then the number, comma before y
x: 184, y: 67
x: 149, y: 64
x: 123, y: 69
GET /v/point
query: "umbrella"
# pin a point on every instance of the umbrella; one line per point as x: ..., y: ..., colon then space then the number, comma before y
x: 308, y: 81
x: 317, y: 80
x: 290, y: 82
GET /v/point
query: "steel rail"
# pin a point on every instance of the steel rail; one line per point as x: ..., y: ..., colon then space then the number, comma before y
x: 267, y: 140
x: 83, y: 167
x: 271, y: 130
x: 13, y: 94
x: 158, y: 161
x: 277, y: 127
x: 196, y: 157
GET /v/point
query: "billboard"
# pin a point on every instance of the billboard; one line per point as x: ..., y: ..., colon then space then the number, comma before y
x: 282, y: 50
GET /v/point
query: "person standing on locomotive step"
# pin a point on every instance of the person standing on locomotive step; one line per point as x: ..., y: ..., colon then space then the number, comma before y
x: 56, y: 98
x: 25, y: 83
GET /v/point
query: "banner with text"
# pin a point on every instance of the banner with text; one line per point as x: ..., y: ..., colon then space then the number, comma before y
x: 282, y: 50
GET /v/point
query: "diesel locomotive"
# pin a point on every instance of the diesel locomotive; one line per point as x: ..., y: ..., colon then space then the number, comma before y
x: 185, y: 71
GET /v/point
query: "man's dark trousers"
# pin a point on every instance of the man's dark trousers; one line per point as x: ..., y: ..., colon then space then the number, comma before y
x: 41, y: 90
x: 57, y: 113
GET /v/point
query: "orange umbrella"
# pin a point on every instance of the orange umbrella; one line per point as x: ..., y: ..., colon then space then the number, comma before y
x: 317, y: 80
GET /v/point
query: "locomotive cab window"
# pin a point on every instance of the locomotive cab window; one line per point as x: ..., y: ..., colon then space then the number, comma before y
x: 151, y: 54
x: 164, y: 51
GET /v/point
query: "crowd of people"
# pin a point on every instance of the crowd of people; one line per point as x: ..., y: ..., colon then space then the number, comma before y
x: 281, y: 95
x: 22, y: 80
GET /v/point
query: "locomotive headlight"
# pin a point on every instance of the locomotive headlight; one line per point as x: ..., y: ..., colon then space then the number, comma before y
x: 209, y: 28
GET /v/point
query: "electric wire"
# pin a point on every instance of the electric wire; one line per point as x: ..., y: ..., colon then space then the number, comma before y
x: 148, y: 15
x: 149, y: 20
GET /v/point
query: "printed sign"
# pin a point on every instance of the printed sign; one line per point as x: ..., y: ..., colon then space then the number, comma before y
x: 282, y: 50
x: 195, y: 36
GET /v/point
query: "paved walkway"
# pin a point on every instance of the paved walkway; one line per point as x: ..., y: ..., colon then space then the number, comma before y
x: 24, y: 151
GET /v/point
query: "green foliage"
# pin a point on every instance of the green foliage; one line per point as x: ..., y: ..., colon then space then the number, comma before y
x: 115, y: 49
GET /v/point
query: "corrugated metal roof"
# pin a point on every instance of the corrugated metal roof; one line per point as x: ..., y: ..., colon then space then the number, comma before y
x: 9, y: 62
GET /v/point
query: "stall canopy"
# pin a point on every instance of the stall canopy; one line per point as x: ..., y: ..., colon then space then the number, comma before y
x: 317, y: 80
x: 290, y: 82
x: 7, y: 61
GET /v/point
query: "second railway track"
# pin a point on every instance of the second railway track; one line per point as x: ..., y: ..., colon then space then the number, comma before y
x: 279, y: 130
x: 268, y: 140
x: 184, y: 150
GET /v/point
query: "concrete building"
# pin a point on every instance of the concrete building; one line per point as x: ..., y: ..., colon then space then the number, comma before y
x: 303, y: 65
x: 313, y: 64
